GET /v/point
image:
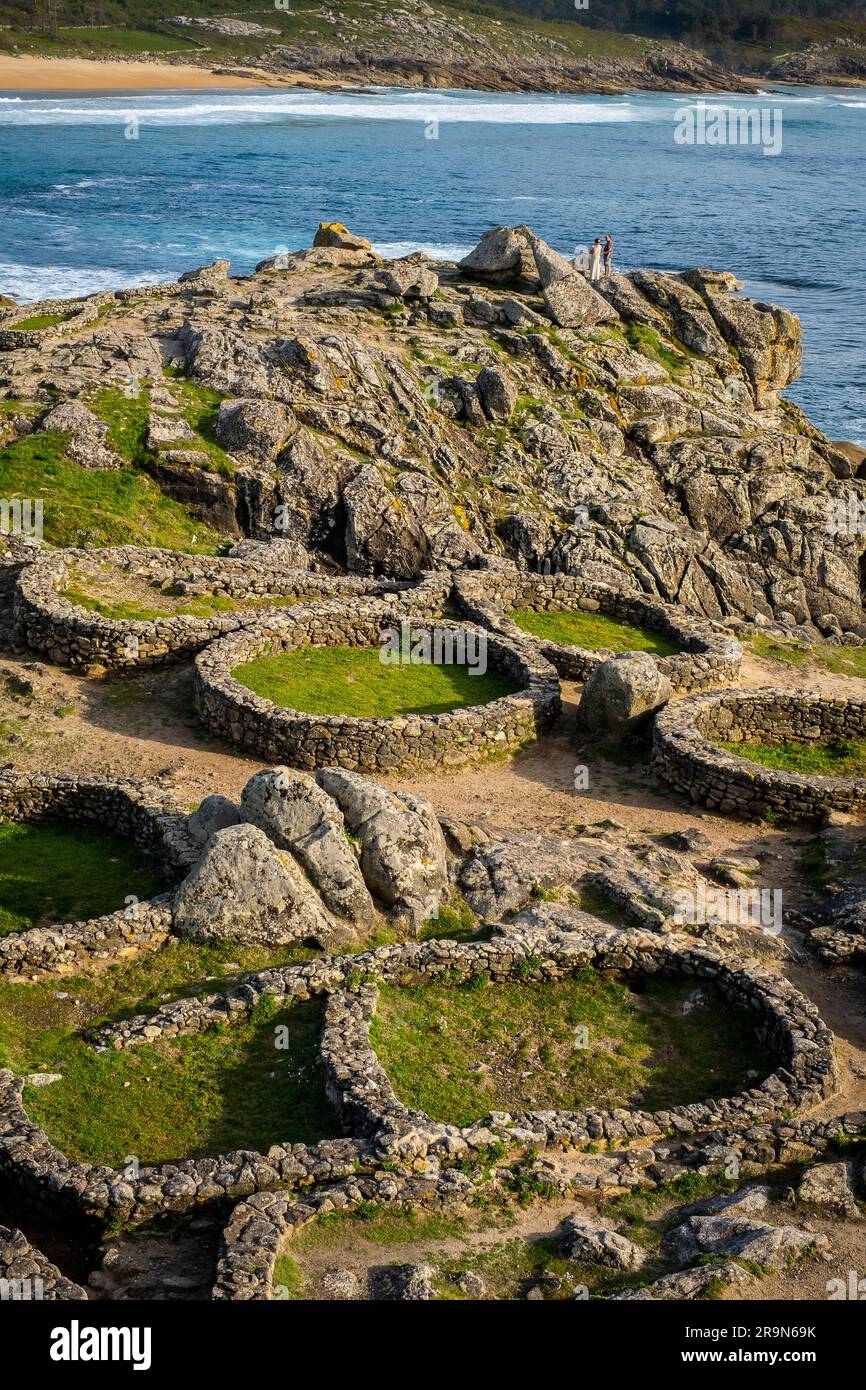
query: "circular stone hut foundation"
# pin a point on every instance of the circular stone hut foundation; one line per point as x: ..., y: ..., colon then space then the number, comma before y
x: 417, y: 741
x: 686, y: 751
x: 130, y: 810
x: 72, y: 634
x: 708, y: 657
x: 785, y: 1021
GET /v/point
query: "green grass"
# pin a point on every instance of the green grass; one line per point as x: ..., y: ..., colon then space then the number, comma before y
x: 593, y: 899
x: 455, y: 921
x: 196, y: 606
x: 843, y: 661
x: 592, y: 631
x: 646, y: 341
x: 378, y: 1224
x: 642, y: 1049
x: 39, y: 321
x: 84, y: 506
x: 61, y: 873
x: 226, y: 1088
x: 353, y: 681
x: 840, y: 758
x: 128, y: 419
x: 201, y: 408
x: 223, y: 1089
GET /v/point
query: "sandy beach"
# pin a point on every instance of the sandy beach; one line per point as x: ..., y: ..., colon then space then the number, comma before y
x: 29, y: 74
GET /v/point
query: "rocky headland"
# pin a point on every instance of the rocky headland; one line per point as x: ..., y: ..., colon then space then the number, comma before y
x: 392, y: 417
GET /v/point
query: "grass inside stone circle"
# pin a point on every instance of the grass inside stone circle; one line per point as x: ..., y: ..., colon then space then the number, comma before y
x: 836, y: 758
x: 191, y: 606
x: 52, y: 874
x: 38, y: 321
x: 223, y: 1089
x: 592, y: 631
x: 353, y: 681
x: 458, y: 1052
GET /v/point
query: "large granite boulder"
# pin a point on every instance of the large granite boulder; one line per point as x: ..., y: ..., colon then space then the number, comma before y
x: 573, y: 303
x: 740, y: 1237
x: 298, y: 816
x: 87, y: 435
x: 621, y: 694
x: 215, y: 813
x: 687, y: 1284
x: 830, y: 1185
x: 570, y: 299
x: 408, y: 278
x: 206, y: 277
x: 497, y: 394
x: 551, y: 265
x: 403, y: 857
x: 243, y: 889
x: 503, y: 254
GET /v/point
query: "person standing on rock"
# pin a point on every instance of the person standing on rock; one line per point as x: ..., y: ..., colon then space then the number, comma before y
x: 607, y: 254
x: 595, y: 260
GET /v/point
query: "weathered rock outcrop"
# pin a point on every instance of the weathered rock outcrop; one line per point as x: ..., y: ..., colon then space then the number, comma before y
x: 395, y: 416
x: 298, y: 816
x: 243, y: 889
x: 403, y: 855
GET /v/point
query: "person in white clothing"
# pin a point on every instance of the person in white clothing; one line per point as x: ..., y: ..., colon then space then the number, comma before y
x: 595, y: 260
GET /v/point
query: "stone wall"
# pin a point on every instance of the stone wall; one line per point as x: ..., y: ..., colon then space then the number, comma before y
x: 31, y: 1162
x: 31, y: 1274
x: 80, y: 311
x: 131, y: 810
x: 362, y: 1093
x: 709, y: 657
x: 686, y: 756
x: 260, y: 1227
x: 364, y: 1096
x: 71, y: 635
x: 413, y: 741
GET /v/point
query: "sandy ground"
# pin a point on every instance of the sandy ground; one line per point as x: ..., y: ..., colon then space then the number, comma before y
x: 29, y: 74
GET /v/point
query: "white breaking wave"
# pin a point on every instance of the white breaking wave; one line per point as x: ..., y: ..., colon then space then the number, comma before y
x: 439, y: 250
x: 237, y: 108
x: 29, y: 283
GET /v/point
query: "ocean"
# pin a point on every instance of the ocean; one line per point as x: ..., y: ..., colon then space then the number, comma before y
x: 98, y: 192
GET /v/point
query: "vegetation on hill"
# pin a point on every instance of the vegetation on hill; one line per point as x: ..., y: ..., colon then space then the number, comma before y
x: 744, y: 33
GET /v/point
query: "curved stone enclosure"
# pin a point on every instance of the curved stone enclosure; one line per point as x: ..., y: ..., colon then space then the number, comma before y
x: 263, y: 1224
x: 414, y: 741
x: 77, y: 313
x: 708, y: 657
x: 131, y: 810
x: 71, y: 635
x: 364, y: 1096
x: 686, y: 755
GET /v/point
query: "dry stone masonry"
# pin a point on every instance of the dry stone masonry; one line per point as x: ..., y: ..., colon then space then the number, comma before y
x: 72, y: 635
x: 415, y: 741
x: 686, y: 755
x: 148, y: 817
x: 709, y: 656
